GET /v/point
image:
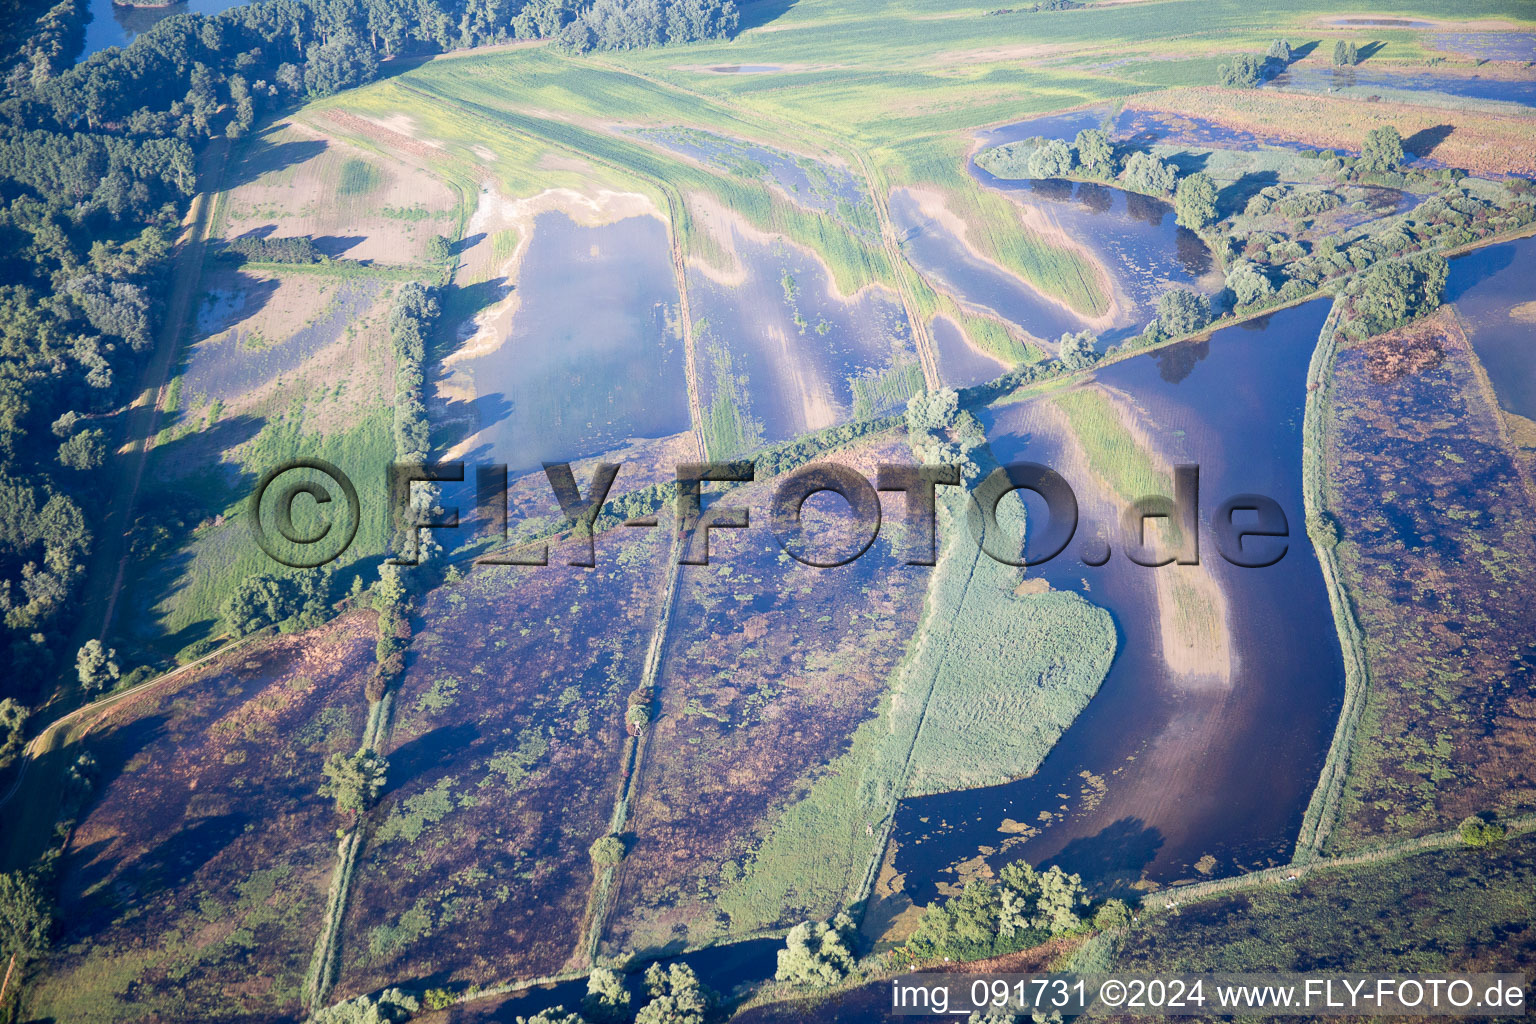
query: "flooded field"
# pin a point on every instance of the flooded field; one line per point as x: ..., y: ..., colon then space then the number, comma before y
x: 811, y: 183
x: 960, y: 363
x: 1491, y: 291
x: 1488, y: 45
x: 779, y: 353
x: 769, y: 668
x: 206, y: 844
x: 1186, y: 763
x: 1366, y: 81
x: 585, y: 353
x: 506, y: 757
x: 1439, y: 527
x: 250, y: 331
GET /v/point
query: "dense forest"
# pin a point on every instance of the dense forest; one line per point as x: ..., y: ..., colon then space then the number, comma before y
x: 97, y: 163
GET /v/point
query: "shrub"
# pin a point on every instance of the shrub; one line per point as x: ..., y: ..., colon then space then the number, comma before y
x: 1478, y: 833
x: 607, y: 852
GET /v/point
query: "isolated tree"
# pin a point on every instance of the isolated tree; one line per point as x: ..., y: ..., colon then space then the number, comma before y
x: 607, y: 852
x: 1345, y: 54
x: 1146, y: 173
x: 439, y: 248
x: 1194, y: 203
x: 676, y: 996
x: 85, y: 450
x: 26, y: 917
x: 1113, y: 914
x: 1248, y: 283
x: 1095, y: 152
x: 1181, y: 311
x: 1383, y: 149
x: 607, y: 1000
x: 389, y: 591
x: 817, y: 954
x: 97, y: 666
x: 1051, y: 159
x: 1280, y: 51
x: 1078, y: 351
x: 354, y: 780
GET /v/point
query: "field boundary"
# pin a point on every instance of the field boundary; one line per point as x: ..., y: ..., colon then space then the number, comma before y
x: 1322, y: 811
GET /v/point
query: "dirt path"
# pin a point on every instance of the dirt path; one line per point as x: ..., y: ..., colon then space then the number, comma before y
x: 142, y: 420
x: 922, y: 338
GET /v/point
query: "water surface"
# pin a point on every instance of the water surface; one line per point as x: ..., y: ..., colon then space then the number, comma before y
x: 1491, y: 289
x: 1187, y: 771
x: 110, y: 25
x: 590, y: 357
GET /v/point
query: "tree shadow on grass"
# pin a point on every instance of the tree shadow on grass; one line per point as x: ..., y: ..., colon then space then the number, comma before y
x: 1235, y: 196
x: 266, y: 156
x: 755, y: 13
x: 1424, y: 142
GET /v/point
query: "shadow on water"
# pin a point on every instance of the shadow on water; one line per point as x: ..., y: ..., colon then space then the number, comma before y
x: 1120, y: 851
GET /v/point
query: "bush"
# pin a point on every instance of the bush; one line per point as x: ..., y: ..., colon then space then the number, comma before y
x: 1478, y: 833
x: 607, y: 852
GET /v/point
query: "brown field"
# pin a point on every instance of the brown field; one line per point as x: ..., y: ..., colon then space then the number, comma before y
x: 355, y: 203
x: 194, y: 885
x: 506, y: 754
x: 769, y: 667
x: 1438, y: 553
x: 1493, y: 143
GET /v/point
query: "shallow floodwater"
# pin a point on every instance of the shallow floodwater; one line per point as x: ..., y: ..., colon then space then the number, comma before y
x: 230, y: 360
x: 118, y: 26
x: 960, y: 364
x: 1489, y: 45
x: 1134, y: 237
x: 1362, y: 81
x: 591, y: 357
x: 1158, y: 773
x: 795, y: 356
x: 1491, y: 289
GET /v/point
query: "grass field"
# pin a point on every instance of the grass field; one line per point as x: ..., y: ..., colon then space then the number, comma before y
x: 1454, y: 910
